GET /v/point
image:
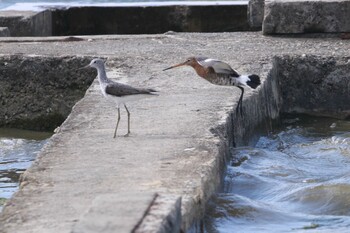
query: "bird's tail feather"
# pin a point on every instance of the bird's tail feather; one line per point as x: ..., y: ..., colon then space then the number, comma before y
x: 254, y: 81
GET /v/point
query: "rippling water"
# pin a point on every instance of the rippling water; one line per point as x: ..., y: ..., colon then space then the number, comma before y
x: 18, y: 148
x: 294, y: 180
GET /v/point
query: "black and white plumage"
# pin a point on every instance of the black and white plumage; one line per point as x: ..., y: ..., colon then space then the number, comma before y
x: 221, y: 73
x: 118, y: 92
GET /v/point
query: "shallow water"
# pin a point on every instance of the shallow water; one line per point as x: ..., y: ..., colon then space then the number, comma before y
x: 18, y: 148
x: 295, y: 180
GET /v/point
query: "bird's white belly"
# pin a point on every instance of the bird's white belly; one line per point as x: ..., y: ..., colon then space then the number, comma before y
x: 242, y: 80
x: 127, y: 98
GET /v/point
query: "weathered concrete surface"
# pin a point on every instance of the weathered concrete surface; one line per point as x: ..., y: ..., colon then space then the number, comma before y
x: 164, y: 216
x: 38, y: 93
x: 150, y: 212
x: 27, y: 23
x: 256, y: 13
x: 298, y: 16
x: 4, y: 31
x: 179, y: 139
x: 105, y: 209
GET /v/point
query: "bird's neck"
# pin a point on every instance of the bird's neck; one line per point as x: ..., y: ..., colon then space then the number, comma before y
x: 200, y: 70
x: 102, y: 76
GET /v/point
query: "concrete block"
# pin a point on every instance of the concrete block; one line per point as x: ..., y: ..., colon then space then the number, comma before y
x: 16, y: 22
x: 41, y: 24
x: 4, y: 32
x: 315, y: 16
x: 317, y: 85
x: 256, y: 13
x: 27, y: 23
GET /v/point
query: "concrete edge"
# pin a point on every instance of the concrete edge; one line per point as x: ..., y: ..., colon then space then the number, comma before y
x: 163, y: 216
x: 108, y: 213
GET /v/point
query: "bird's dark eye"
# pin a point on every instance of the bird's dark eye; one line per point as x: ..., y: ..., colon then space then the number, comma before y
x: 94, y: 61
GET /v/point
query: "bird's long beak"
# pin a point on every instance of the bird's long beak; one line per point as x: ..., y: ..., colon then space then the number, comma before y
x: 181, y: 64
x: 84, y: 67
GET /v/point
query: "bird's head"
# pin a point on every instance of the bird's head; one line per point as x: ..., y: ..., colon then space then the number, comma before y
x: 96, y: 63
x: 191, y: 61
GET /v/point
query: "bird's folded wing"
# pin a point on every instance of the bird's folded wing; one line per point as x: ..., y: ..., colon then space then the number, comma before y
x: 118, y: 89
x: 219, y: 67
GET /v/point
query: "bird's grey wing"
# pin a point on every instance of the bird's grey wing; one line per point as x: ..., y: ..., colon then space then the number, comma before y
x: 219, y: 67
x: 118, y: 89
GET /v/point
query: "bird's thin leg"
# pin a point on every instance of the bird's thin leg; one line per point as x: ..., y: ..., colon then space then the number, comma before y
x: 118, y: 119
x: 239, y: 105
x: 128, y: 121
x: 241, y: 100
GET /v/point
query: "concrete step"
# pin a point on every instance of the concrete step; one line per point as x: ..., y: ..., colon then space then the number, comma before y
x: 299, y: 16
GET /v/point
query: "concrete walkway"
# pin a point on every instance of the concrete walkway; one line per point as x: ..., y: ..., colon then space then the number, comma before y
x: 178, y: 142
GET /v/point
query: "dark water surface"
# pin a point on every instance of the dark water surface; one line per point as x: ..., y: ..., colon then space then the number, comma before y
x: 18, y: 148
x: 295, y: 180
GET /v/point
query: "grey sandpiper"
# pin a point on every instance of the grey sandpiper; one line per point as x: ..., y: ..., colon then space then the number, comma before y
x: 117, y: 92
